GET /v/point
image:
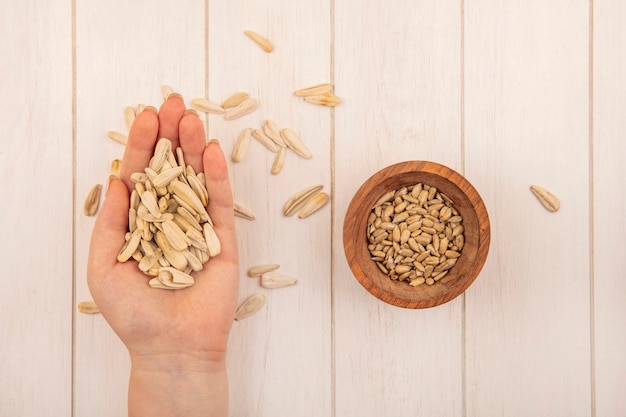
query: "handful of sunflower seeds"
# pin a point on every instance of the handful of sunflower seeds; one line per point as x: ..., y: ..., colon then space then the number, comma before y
x: 170, y: 232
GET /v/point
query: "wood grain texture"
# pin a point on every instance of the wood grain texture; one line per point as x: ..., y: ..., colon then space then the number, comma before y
x: 125, y: 53
x: 398, y: 68
x: 36, y: 221
x: 609, y: 206
x: 506, y: 93
x: 526, y: 118
x: 279, y: 358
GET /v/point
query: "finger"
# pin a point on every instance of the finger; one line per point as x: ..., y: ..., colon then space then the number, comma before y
x: 109, y: 229
x: 220, y: 198
x: 169, y: 118
x: 140, y: 146
x: 192, y: 139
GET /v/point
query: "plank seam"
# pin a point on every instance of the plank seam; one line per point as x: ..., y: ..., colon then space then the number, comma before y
x: 74, y: 201
x: 333, y: 377
x: 592, y: 346
x: 463, y: 155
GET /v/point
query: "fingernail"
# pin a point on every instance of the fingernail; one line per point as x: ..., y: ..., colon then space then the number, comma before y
x: 214, y: 141
x: 172, y: 95
x: 190, y: 111
x: 152, y: 109
x: 111, y: 178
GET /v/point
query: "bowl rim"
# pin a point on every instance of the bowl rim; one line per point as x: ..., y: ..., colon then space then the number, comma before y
x: 356, y: 218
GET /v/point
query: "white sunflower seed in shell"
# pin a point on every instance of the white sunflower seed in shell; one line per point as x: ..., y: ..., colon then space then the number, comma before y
x: 88, y: 307
x: 241, y: 145
x: 262, y: 42
x: 193, y: 261
x: 92, y: 201
x: 166, y: 176
x: 129, y: 116
x: 177, y: 238
x: 189, y: 171
x: 212, y: 242
x: 279, y: 162
x: 178, y: 277
x: 296, y: 201
x: 258, y: 270
x: 129, y: 248
x: 201, y: 254
x: 188, y: 196
x: 132, y: 219
x: 245, y: 107
x: 275, y: 279
x: 313, y: 204
x: 250, y: 306
x: 149, y: 248
x: 180, y: 158
x: 243, y: 212
x: 117, y: 137
x: 183, y: 204
x: 293, y: 142
x: 234, y: 100
x: 148, y: 262
x: 166, y: 91
x: 182, y: 223
x: 273, y: 133
x: 327, y: 99
x: 156, y: 283
x: 265, y: 140
x: 197, y: 239
x: 314, y: 90
x: 173, y: 278
x: 198, y: 188
x: 546, y: 198
x: 206, y: 106
x: 139, y: 177
x: 173, y: 257
x: 150, y: 202
x: 161, y: 151
x: 188, y: 217
x: 146, y: 216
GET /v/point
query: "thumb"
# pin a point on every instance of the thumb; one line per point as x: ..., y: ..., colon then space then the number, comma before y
x: 111, y: 225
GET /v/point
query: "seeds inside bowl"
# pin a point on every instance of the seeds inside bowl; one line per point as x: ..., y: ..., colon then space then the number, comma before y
x: 415, y: 234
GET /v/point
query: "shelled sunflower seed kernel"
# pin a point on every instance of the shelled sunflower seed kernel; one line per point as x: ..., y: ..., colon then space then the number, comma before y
x: 170, y: 233
x: 415, y: 234
x: 88, y: 307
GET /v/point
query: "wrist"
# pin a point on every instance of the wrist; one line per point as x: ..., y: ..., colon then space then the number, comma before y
x: 173, y: 362
x: 178, y: 384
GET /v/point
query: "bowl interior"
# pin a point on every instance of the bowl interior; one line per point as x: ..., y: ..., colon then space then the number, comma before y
x: 465, y: 199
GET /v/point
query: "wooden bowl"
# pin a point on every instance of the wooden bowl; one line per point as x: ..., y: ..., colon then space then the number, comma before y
x: 473, y: 255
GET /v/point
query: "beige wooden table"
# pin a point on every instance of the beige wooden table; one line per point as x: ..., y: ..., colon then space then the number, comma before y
x: 510, y: 93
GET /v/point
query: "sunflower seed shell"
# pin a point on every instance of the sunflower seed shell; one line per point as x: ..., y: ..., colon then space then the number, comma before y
x: 250, y: 306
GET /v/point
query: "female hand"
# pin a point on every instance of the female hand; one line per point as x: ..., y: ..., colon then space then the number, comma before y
x: 176, y: 338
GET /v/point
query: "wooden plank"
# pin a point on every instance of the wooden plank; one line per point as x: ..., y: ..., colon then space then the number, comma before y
x: 279, y: 360
x: 609, y: 202
x: 527, y: 122
x: 125, y: 53
x: 398, y: 70
x: 36, y: 238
